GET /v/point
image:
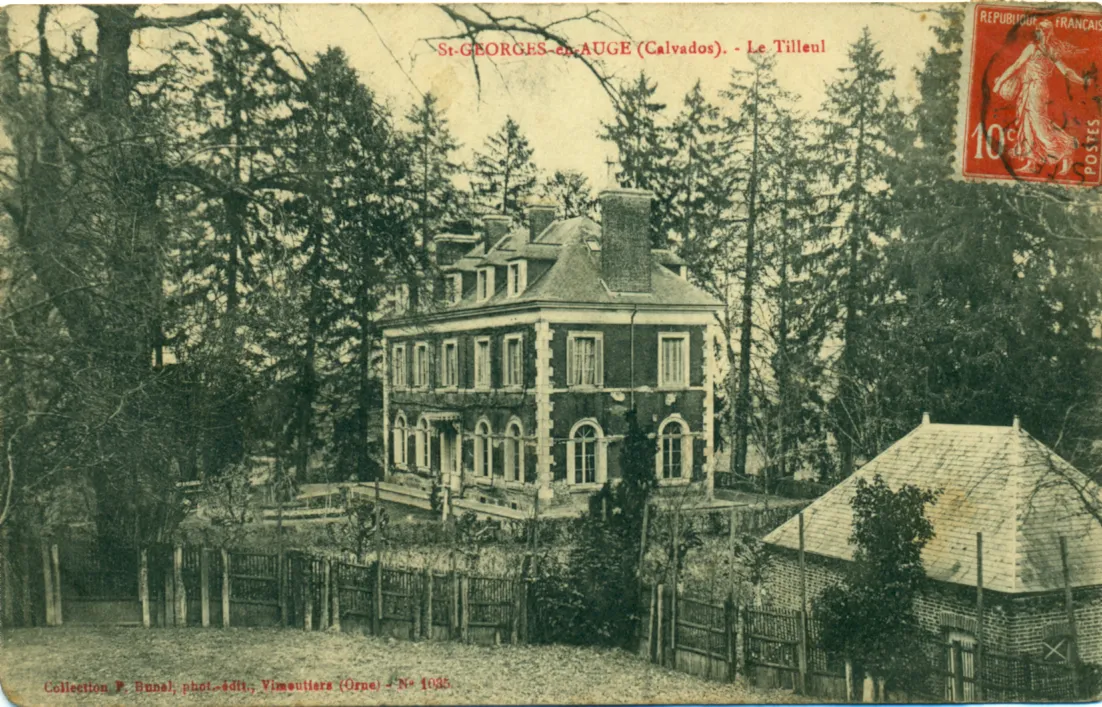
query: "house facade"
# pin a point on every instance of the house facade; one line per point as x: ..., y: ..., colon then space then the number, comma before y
x: 995, y: 481
x: 513, y: 385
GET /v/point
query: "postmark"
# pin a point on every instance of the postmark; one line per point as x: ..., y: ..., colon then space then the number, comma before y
x: 1030, y: 105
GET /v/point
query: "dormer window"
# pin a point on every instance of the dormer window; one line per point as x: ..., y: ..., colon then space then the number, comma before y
x: 485, y: 283
x: 455, y: 288
x: 518, y: 277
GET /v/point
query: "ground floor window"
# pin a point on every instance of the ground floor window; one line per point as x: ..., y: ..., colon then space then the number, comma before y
x: 585, y: 458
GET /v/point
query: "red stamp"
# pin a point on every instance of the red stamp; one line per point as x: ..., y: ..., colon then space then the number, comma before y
x: 1031, y: 109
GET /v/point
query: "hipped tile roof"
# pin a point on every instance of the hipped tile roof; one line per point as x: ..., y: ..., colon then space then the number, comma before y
x: 996, y: 480
x: 575, y: 275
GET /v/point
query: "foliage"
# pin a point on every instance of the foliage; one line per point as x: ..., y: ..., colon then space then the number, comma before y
x: 503, y: 175
x: 361, y: 529
x: 569, y: 190
x: 871, y: 618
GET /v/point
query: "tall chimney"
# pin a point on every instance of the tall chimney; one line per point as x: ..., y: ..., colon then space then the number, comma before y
x: 495, y: 226
x: 625, y: 239
x: 540, y: 216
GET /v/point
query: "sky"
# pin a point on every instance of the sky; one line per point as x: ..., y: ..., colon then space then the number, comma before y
x: 557, y: 102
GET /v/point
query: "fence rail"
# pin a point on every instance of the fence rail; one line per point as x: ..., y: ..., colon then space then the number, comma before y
x: 164, y: 585
x: 782, y: 649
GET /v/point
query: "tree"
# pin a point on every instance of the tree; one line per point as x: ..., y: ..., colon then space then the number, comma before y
x: 753, y: 134
x: 870, y: 618
x: 569, y: 191
x: 643, y: 145
x: 503, y: 175
x: 431, y: 148
x: 857, y: 149
x: 596, y: 593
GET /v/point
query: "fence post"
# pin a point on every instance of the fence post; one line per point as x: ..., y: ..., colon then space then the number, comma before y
x: 650, y: 624
x: 465, y: 608
x: 57, y: 584
x: 849, y: 681
x: 801, y: 653
x: 742, y: 640
x: 675, y: 596
x: 180, y: 592
x: 169, y: 599
x: 225, y: 589
x: 660, y: 646
x: 426, y: 593
x: 204, y: 586
x: 143, y: 587
x: 25, y: 583
x: 453, y: 613
x: 283, y: 569
x: 729, y: 635
x: 7, y: 593
x: 323, y: 619
x: 415, y: 593
x: 48, y: 584
x: 307, y: 584
x: 335, y: 583
x: 524, y: 611
x: 515, y: 634
x: 377, y: 614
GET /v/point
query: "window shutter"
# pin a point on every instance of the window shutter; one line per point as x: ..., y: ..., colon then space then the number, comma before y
x: 570, y: 461
x: 598, y: 362
x: 658, y: 460
x: 461, y: 361
x: 602, y: 460
x: 571, y: 366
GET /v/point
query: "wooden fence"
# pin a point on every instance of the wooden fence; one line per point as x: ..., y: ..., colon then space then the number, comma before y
x: 779, y: 648
x: 163, y: 585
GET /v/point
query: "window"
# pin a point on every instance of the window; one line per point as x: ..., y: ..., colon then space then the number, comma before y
x: 675, y: 451
x: 454, y: 285
x: 482, y: 363
x: 585, y: 453
x: 517, y: 277
x: 421, y: 365
x: 422, y: 443
x: 514, y: 452
x: 400, y: 433
x: 584, y: 441
x: 449, y: 364
x: 485, y: 283
x: 673, y: 360
x: 483, y: 450
x: 1056, y: 644
x: 584, y: 360
x: 398, y: 366
x: 512, y: 361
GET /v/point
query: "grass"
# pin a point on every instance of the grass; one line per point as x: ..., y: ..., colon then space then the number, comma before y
x: 32, y: 658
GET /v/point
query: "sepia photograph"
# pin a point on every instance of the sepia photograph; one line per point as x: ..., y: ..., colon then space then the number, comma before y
x: 546, y: 354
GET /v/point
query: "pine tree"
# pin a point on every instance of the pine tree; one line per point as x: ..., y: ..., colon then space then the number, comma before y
x: 569, y: 190
x: 643, y: 145
x: 504, y: 176
x: 857, y: 149
x: 753, y: 133
x: 431, y: 151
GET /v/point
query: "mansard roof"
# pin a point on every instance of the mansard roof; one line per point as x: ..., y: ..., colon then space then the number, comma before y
x: 996, y: 480
x: 571, y: 247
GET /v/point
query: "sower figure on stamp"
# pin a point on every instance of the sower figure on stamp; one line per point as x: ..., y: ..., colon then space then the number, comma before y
x: 1039, y: 140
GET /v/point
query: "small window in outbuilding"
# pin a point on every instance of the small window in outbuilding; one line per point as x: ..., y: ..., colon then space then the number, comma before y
x: 1056, y: 644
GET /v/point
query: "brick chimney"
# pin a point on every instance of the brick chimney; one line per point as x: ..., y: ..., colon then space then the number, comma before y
x: 540, y: 216
x: 625, y: 239
x: 495, y: 226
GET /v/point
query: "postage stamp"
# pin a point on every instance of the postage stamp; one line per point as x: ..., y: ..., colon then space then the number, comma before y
x: 1030, y: 107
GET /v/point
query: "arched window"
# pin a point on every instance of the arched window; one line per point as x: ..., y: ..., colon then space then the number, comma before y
x: 422, y: 443
x: 483, y: 449
x: 514, y: 452
x: 585, y: 454
x: 675, y: 449
x: 399, y: 445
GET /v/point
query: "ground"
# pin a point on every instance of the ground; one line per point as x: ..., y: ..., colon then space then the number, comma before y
x: 35, y: 660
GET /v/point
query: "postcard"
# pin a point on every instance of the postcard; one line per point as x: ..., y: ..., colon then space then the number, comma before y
x: 550, y: 353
